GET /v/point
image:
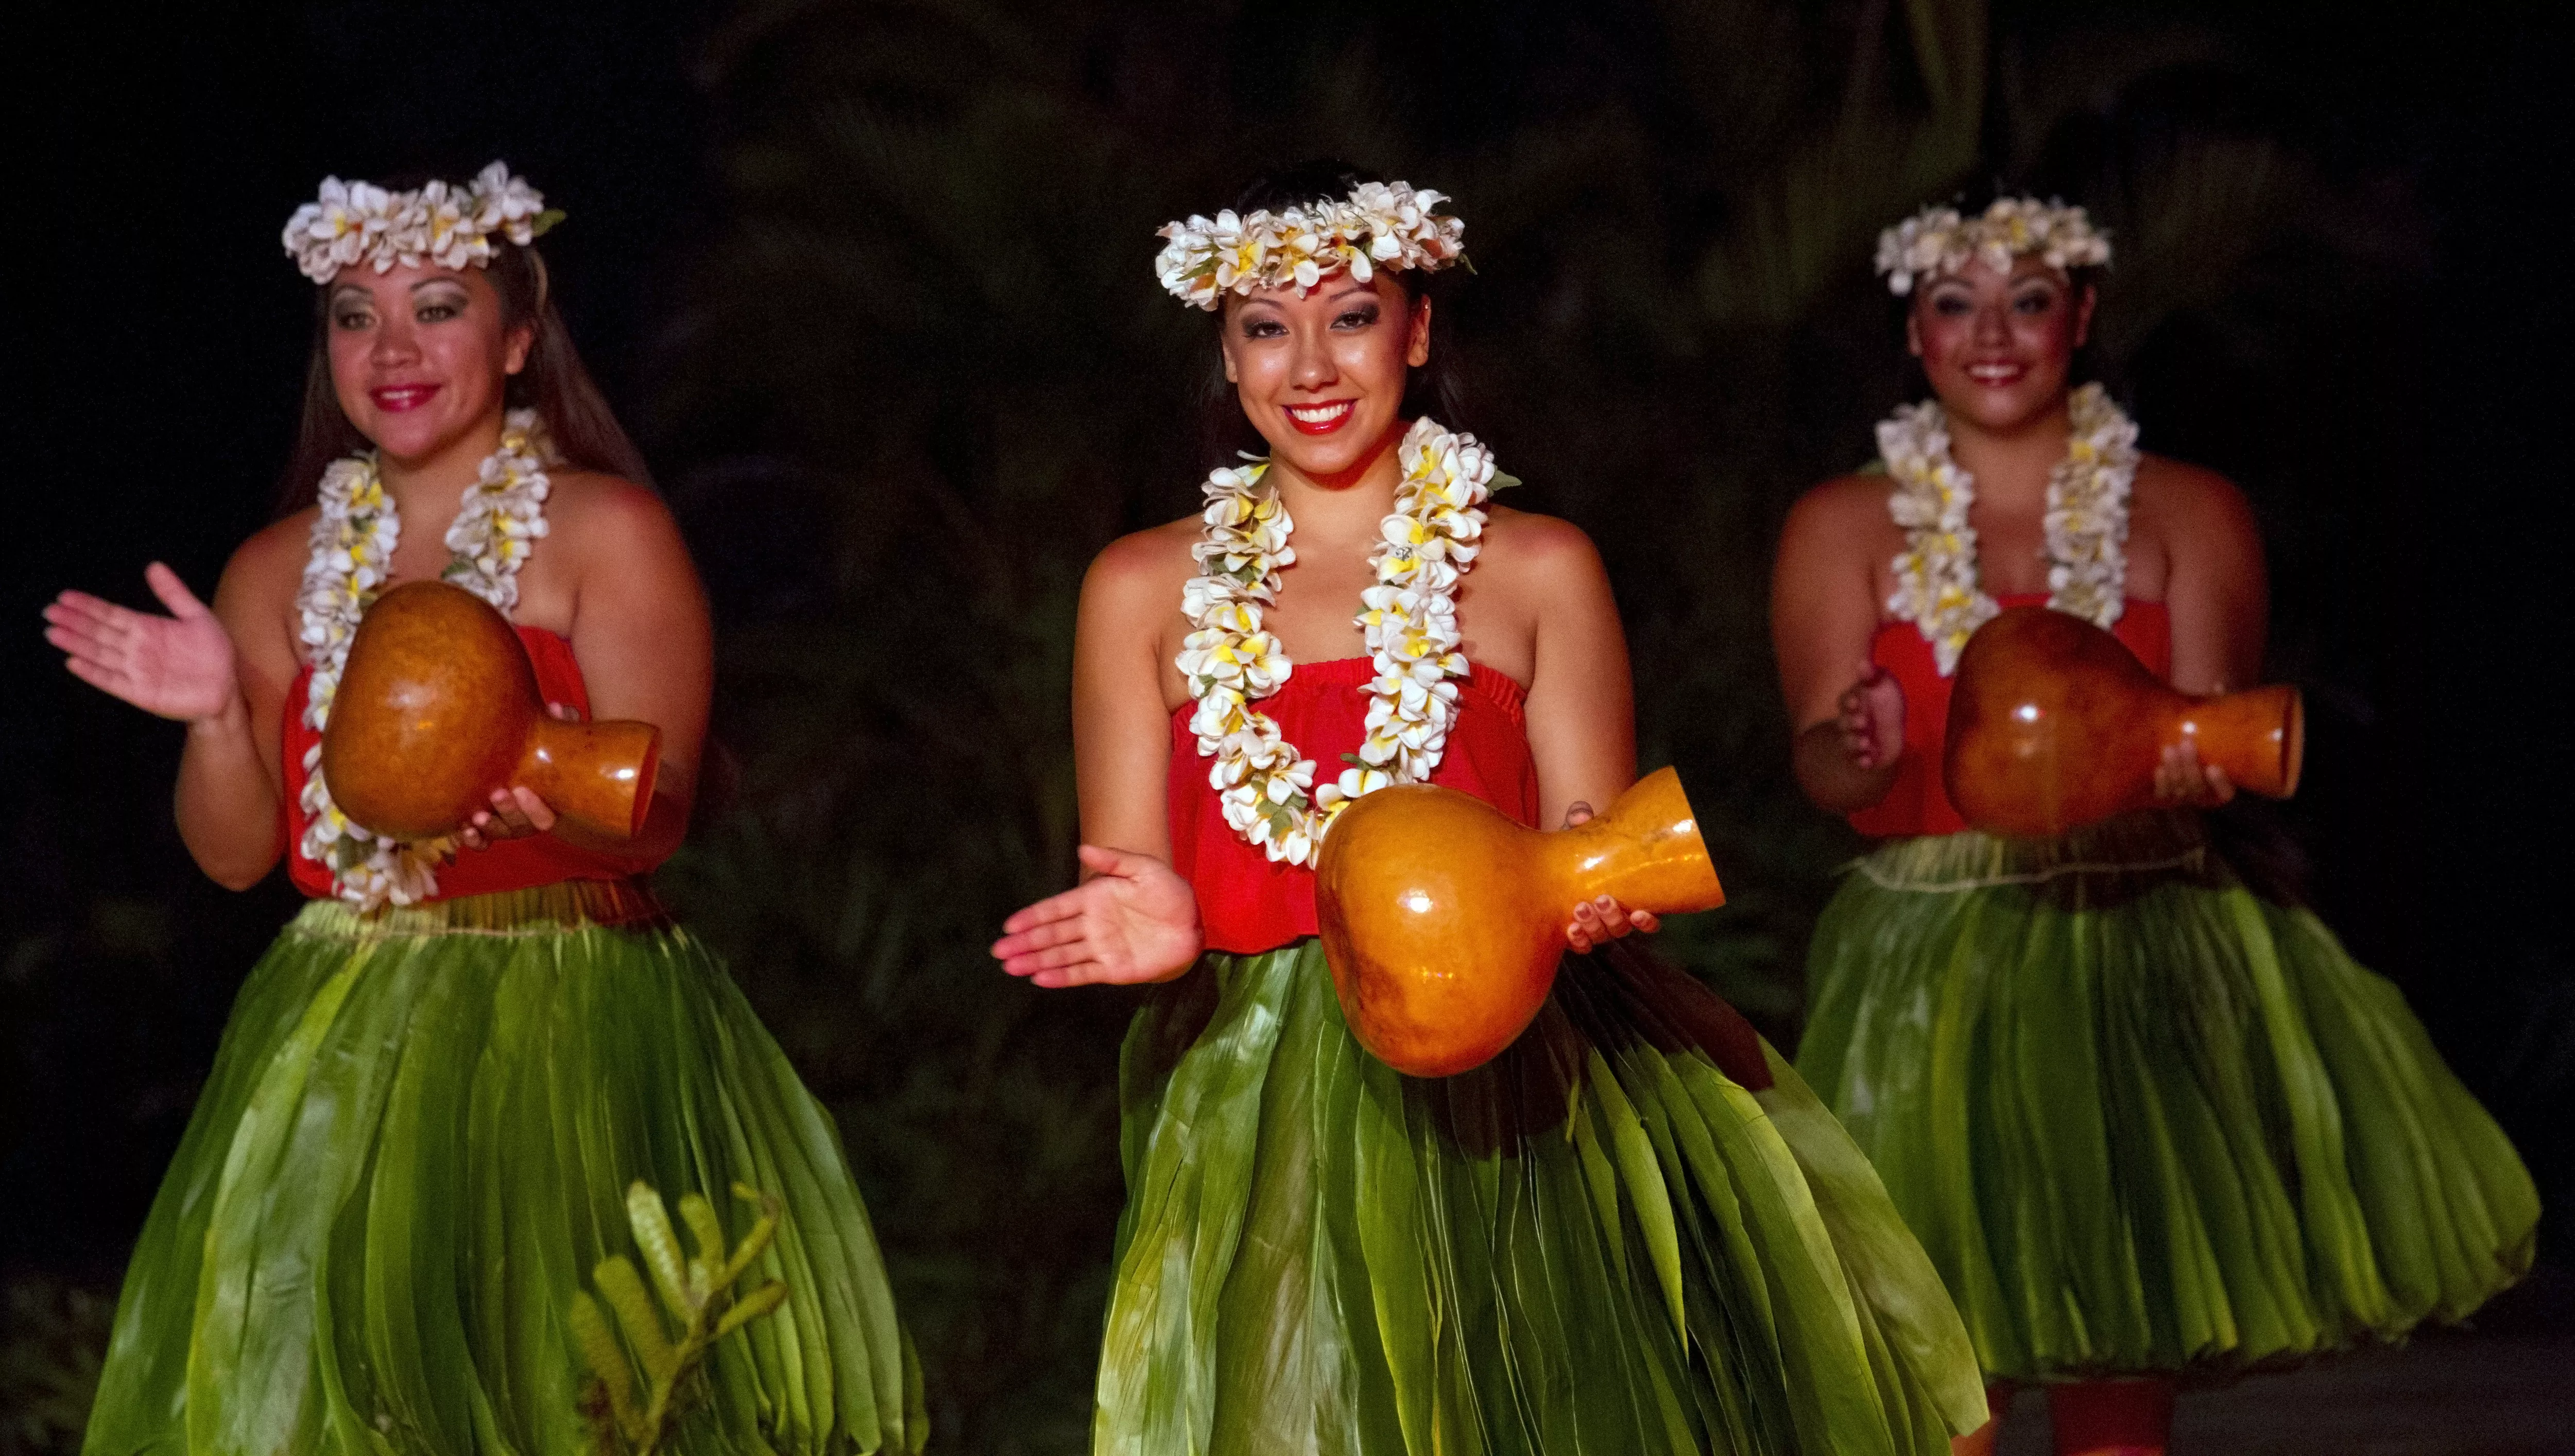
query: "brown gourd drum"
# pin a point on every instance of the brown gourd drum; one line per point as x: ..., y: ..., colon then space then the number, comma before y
x: 437, y: 707
x: 2055, y: 724
x: 1443, y: 920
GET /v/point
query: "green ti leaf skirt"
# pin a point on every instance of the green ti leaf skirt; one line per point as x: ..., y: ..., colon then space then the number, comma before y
x: 2145, y: 1120
x: 1598, y: 1242
x: 416, y: 1143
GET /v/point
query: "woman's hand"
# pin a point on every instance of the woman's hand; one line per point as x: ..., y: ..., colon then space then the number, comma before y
x: 516, y: 812
x: 1602, y: 919
x: 1134, y: 920
x: 177, y: 667
x: 2181, y: 778
x: 1871, y: 719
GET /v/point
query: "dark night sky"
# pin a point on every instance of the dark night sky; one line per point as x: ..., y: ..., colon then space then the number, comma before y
x: 154, y: 336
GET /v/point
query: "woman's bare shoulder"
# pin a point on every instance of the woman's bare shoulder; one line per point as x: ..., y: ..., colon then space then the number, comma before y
x: 1843, y: 506
x: 271, y: 563
x: 1156, y: 559
x: 593, y: 504
x: 2188, y: 504
x: 1522, y: 543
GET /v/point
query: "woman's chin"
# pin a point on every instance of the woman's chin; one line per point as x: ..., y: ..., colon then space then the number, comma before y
x: 2005, y: 411
x: 1329, y: 457
x: 413, y: 442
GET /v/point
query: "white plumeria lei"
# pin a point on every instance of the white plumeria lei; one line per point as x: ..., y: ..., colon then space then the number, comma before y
x: 1380, y: 225
x: 446, y: 222
x: 497, y: 523
x: 2086, y: 522
x: 1937, y: 240
x: 1267, y: 788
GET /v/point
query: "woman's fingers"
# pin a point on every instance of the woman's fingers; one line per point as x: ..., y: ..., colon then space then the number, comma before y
x: 1054, y: 958
x: 1604, y: 918
x: 173, y: 594
x: 80, y: 607
x: 1052, y: 907
x: 1067, y: 931
x: 1100, y: 860
x: 531, y: 810
x: 1080, y: 974
x: 105, y: 679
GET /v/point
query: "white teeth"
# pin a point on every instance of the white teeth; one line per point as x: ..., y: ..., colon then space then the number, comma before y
x: 1316, y: 414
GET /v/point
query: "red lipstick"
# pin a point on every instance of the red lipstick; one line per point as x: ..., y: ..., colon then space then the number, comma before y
x: 1322, y: 417
x: 396, y: 399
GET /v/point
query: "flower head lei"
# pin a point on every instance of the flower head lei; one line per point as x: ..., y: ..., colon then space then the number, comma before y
x: 1380, y: 225
x: 1410, y: 616
x: 1938, y: 241
x: 451, y: 224
x: 497, y: 523
x: 2086, y: 524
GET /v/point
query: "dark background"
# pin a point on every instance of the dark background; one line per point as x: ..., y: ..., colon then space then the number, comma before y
x: 870, y: 283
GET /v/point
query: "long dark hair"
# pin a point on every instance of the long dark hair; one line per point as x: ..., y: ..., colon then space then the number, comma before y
x: 1434, y: 389
x: 583, y: 430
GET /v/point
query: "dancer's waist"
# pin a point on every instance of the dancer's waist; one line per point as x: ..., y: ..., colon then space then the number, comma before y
x: 2146, y: 845
x: 568, y: 904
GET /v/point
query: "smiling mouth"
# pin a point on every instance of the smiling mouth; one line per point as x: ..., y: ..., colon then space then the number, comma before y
x: 1321, y: 419
x: 395, y: 399
x: 1995, y: 376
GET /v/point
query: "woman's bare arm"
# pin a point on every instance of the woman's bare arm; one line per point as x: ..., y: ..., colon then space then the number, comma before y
x: 1582, y: 706
x: 1132, y: 918
x: 2218, y: 589
x: 641, y: 632
x: 1122, y: 734
x: 223, y: 670
x: 1824, y: 613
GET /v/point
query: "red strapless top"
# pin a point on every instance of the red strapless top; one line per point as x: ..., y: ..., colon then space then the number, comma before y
x: 1918, y: 804
x: 1246, y: 902
x: 509, y: 864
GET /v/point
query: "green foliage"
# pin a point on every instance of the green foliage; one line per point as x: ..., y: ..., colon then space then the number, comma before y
x: 696, y: 1295
x: 53, y: 1335
x: 918, y: 372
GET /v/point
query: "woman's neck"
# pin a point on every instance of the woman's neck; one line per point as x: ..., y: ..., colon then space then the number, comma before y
x: 2011, y: 465
x: 431, y: 485
x: 1347, y: 506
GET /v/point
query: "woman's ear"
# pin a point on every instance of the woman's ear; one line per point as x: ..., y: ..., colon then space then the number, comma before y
x: 1417, y: 351
x: 2084, y: 299
x: 1912, y: 333
x: 515, y: 347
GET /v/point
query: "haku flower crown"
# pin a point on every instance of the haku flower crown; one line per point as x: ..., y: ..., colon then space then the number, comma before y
x: 1380, y: 225
x: 451, y: 224
x: 1937, y: 241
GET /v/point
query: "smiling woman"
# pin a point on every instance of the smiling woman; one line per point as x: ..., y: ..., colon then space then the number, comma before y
x: 2151, y: 1126
x: 439, y: 1086
x: 1634, y: 1230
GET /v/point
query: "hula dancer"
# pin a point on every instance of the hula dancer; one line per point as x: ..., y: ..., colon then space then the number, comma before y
x: 438, y: 1083
x: 2150, y: 1124
x: 1634, y: 1230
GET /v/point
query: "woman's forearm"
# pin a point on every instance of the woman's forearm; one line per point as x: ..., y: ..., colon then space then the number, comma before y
x: 226, y: 802
x: 1826, y: 771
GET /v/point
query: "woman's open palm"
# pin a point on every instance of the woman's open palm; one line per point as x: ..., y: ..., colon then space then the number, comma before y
x: 1134, y: 920
x: 179, y: 666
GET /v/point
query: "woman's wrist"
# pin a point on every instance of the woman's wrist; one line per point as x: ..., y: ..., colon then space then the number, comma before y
x: 232, y: 720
